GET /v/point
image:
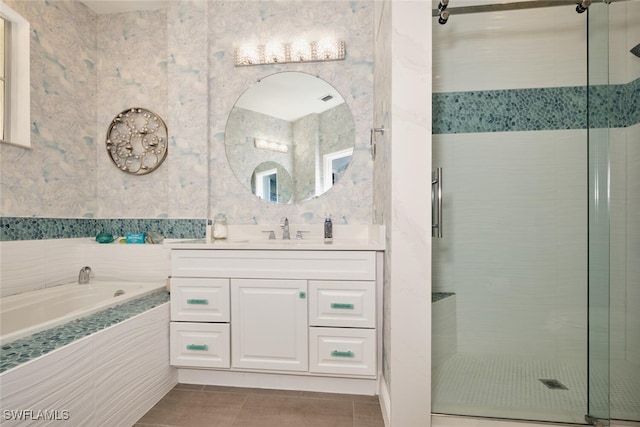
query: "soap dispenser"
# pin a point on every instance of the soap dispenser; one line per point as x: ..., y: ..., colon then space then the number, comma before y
x: 220, y: 227
x: 328, y: 228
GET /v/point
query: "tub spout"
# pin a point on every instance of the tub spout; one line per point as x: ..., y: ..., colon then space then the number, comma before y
x: 83, y: 277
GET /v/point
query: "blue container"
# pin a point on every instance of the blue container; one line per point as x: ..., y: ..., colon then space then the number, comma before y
x: 134, y: 237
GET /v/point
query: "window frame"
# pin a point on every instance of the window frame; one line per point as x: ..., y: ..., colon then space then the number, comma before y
x: 18, y: 101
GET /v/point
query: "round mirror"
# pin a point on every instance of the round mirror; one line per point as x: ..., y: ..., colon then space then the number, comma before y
x: 289, y: 137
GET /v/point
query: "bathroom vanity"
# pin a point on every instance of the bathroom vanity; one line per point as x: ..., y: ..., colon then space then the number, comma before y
x: 285, y: 314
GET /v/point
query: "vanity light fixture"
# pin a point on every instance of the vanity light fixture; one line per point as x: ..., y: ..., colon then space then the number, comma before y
x: 270, y: 145
x: 300, y: 50
x: 275, y: 52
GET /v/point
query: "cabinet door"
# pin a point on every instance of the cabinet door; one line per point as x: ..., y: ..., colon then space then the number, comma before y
x: 269, y: 324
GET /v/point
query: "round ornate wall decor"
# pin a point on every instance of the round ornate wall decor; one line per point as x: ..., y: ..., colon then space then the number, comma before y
x: 137, y: 141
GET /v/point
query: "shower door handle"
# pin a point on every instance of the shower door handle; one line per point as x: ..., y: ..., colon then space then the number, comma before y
x: 436, y: 203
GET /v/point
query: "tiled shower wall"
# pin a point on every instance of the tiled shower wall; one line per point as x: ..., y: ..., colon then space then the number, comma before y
x: 510, y: 134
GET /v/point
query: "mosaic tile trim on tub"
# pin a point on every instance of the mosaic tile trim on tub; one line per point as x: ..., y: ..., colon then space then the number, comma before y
x: 18, y: 228
x: 25, y: 349
x: 536, y: 109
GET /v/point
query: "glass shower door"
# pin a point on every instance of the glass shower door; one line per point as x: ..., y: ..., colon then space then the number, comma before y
x: 520, y: 274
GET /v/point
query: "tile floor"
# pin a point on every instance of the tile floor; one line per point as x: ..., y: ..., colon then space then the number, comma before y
x: 494, y: 385
x: 214, y: 406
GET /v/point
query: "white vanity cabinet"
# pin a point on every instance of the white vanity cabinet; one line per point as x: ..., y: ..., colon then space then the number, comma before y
x: 286, y: 313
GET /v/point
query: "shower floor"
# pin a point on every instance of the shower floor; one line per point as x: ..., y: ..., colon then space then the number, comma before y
x: 501, y: 386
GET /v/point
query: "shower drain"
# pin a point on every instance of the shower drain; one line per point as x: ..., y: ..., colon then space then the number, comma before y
x: 553, y: 384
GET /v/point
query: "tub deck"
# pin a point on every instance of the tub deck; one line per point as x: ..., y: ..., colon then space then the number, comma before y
x: 28, y: 348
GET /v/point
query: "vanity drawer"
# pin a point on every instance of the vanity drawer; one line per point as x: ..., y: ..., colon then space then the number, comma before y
x: 342, y: 351
x: 204, y: 345
x: 200, y: 300
x: 342, y: 303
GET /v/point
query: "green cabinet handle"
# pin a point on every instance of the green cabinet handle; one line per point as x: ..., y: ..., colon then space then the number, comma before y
x: 336, y: 353
x: 302, y: 294
x: 342, y: 305
x: 198, y: 301
x: 199, y: 347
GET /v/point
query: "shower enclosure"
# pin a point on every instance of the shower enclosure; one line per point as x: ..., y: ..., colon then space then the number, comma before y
x: 536, y: 278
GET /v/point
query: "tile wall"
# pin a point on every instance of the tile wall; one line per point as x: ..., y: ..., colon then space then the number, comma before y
x: 510, y: 134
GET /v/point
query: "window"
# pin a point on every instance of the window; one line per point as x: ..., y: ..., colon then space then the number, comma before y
x: 334, y: 166
x: 267, y: 185
x: 15, y: 81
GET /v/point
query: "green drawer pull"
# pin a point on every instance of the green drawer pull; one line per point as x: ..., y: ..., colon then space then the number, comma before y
x: 336, y: 353
x: 198, y: 301
x: 302, y: 294
x: 342, y: 305
x: 199, y: 347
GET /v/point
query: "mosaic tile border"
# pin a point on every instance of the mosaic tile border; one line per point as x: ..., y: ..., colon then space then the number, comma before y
x: 25, y: 349
x: 536, y: 109
x: 19, y: 228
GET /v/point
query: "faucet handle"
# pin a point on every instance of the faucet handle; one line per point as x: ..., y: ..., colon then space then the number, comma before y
x: 272, y: 234
x: 284, y: 221
x: 299, y: 234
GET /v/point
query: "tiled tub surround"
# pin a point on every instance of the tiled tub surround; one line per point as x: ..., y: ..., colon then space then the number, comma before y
x: 111, y: 377
x: 108, y: 368
x: 28, y: 265
x: 22, y: 350
x: 28, y: 313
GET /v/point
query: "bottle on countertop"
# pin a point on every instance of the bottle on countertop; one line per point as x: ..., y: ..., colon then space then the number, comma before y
x: 220, y: 227
x: 328, y: 228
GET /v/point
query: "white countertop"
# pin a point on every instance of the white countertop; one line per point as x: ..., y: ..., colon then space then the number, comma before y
x: 255, y: 237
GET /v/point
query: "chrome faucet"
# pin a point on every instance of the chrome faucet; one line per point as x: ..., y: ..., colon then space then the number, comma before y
x: 284, y: 223
x: 83, y: 277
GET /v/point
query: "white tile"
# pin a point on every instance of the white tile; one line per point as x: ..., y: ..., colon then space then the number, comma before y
x: 61, y: 380
x: 22, y: 266
x: 509, y: 50
x: 571, y: 337
x: 63, y: 260
x: 128, y: 262
x: 509, y: 329
x: 132, y: 367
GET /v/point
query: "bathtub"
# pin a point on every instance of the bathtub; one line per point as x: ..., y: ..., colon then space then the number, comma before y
x: 31, y: 312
